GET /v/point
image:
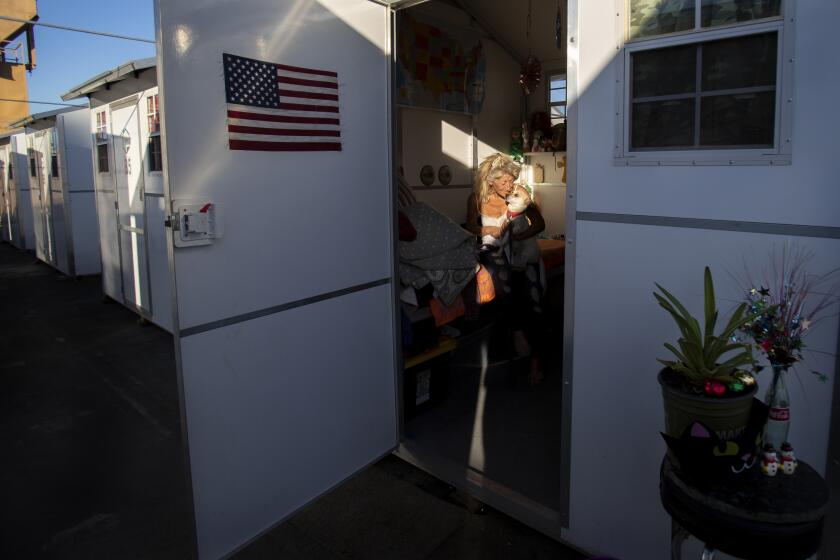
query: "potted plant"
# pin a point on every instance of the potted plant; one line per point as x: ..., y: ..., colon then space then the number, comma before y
x: 709, y: 380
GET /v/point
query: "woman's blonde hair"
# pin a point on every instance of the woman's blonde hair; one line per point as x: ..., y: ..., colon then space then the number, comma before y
x: 493, y: 167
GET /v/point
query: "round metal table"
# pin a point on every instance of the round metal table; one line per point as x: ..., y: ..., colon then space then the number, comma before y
x: 750, y: 516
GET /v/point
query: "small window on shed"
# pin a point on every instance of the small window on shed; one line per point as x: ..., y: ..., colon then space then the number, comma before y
x: 54, y: 153
x: 102, y: 165
x: 713, y: 94
x: 557, y: 98
x: 101, y: 126
x: 155, y: 157
x: 153, y: 113
x: 11, y: 173
x: 33, y: 172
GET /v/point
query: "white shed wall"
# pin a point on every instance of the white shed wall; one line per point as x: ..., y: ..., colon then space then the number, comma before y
x: 616, y: 402
x: 20, y: 182
x: 78, y: 188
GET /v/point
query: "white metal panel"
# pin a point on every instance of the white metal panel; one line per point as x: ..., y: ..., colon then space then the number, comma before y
x: 36, y: 195
x: 615, y: 266
x: 281, y: 407
x: 106, y: 208
x: 159, y: 279
x: 802, y: 193
x: 617, y: 411
x: 77, y: 176
x: 288, y: 423
x: 5, y: 197
x: 85, y: 233
x: 155, y: 212
x: 128, y: 174
x: 20, y: 182
x: 38, y: 151
x: 289, y: 209
x: 59, y: 197
x: 76, y: 150
x: 109, y: 243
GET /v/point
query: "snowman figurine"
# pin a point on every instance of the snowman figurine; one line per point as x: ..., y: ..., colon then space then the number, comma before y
x: 769, y: 462
x: 788, y: 460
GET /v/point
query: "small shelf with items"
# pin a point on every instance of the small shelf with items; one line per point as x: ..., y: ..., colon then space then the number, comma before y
x: 544, y: 153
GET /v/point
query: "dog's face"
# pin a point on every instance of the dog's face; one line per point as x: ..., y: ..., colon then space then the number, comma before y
x: 518, y: 200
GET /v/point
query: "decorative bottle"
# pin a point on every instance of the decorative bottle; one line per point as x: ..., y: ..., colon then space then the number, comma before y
x: 778, y: 417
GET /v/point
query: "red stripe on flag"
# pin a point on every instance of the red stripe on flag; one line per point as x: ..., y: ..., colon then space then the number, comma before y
x: 302, y: 82
x: 307, y: 70
x: 285, y: 146
x: 280, y: 118
x: 281, y: 131
x: 314, y: 108
x: 308, y: 95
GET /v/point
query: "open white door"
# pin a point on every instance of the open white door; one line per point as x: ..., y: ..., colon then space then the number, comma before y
x: 285, y: 319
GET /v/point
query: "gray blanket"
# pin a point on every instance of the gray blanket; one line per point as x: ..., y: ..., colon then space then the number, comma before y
x: 443, y: 253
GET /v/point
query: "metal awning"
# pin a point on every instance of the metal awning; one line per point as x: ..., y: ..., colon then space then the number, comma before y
x: 129, y: 69
x: 31, y: 119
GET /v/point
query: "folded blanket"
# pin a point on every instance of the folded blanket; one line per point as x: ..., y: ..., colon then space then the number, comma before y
x: 443, y: 253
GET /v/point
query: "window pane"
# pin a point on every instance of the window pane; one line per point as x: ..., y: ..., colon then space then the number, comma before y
x: 54, y: 165
x: 723, y: 12
x: 102, y: 158
x: 664, y: 71
x: 738, y: 120
x: 558, y: 95
x: 656, y: 17
x: 558, y: 111
x: 662, y: 124
x: 155, y: 159
x: 32, y: 170
x: 748, y: 61
x: 557, y: 82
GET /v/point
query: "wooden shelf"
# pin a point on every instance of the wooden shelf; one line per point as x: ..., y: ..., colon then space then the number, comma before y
x: 543, y: 153
x: 548, y: 184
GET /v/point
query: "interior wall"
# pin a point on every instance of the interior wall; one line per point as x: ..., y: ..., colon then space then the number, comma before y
x: 493, y: 124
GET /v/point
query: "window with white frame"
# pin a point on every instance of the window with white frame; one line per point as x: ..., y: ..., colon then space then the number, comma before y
x: 54, y: 153
x: 557, y: 98
x: 153, y: 117
x: 704, y: 76
x: 102, y: 159
x: 101, y: 126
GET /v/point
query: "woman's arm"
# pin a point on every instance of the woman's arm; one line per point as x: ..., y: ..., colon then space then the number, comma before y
x: 536, y: 221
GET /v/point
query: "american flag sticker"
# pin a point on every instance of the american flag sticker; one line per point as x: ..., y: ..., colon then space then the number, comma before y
x: 278, y: 108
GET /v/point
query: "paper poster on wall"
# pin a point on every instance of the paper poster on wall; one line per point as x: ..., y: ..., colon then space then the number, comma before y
x: 439, y: 69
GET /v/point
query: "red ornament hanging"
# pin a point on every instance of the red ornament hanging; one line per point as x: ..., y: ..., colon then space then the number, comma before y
x: 531, y: 72
x: 530, y: 75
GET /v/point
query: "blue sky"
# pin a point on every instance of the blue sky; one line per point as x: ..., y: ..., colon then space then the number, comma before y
x: 66, y: 58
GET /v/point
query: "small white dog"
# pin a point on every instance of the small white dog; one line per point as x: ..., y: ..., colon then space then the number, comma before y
x: 524, y: 251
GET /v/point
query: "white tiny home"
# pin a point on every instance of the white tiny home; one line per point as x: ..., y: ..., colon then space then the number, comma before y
x: 124, y: 135
x: 61, y: 185
x: 287, y: 321
x: 17, y: 217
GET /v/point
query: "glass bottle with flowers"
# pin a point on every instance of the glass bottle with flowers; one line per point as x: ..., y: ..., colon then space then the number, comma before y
x: 785, y: 307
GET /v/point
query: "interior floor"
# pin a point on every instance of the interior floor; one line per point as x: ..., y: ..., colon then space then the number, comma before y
x: 494, y: 421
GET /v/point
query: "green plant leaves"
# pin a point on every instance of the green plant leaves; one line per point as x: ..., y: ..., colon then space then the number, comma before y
x: 701, y: 351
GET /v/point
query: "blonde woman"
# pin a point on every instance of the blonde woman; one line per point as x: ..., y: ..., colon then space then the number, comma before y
x: 519, y: 291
